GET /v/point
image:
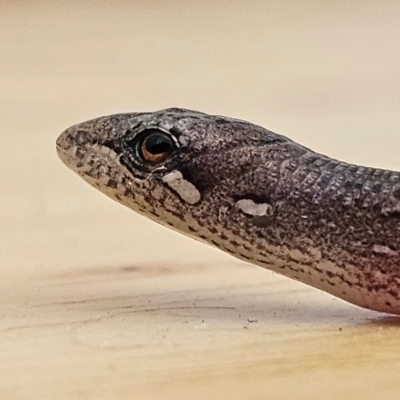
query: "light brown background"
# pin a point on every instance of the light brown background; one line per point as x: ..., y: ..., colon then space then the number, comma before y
x: 99, y: 303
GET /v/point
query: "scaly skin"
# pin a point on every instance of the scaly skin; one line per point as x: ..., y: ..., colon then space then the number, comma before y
x: 255, y: 194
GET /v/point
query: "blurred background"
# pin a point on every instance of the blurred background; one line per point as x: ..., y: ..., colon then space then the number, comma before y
x: 326, y: 74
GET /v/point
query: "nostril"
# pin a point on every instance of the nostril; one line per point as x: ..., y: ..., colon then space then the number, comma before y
x: 81, y: 137
x: 70, y: 137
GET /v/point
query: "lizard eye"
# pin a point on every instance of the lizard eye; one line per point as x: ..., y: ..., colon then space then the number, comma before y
x: 155, y: 146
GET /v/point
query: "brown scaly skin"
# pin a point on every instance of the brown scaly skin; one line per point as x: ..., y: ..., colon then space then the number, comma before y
x: 331, y: 225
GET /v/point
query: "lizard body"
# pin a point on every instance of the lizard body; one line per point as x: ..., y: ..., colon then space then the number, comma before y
x: 252, y: 193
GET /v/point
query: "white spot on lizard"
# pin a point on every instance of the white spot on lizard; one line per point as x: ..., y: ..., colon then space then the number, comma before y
x: 378, y: 248
x: 186, y: 190
x: 249, y: 207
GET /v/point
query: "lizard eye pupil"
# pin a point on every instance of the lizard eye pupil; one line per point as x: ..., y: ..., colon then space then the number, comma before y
x: 156, y: 146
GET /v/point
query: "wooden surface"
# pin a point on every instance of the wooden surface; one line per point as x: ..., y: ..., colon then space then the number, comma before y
x: 99, y: 303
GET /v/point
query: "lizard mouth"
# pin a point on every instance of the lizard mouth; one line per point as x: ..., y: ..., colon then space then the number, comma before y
x: 96, y: 163
x: 66, y: 151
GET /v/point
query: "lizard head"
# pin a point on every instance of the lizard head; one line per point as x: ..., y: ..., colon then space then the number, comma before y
x: 170, y: 165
